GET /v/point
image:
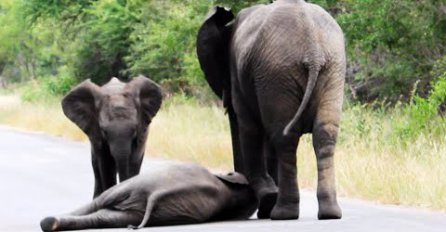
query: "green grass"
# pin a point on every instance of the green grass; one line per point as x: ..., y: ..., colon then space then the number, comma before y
x: 375, y: 160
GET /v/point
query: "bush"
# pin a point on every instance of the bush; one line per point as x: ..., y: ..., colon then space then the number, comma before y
x: 423, y: 113
x: 45, y: 88
x: 396, y: 42
x: 163, y: 42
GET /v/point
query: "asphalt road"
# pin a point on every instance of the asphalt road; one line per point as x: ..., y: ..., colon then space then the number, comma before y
x: 42, y: 175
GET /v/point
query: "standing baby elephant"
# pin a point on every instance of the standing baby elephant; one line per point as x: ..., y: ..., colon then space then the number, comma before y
x: 169, y: 193
x: 280, y: 70
x: 115, y: 117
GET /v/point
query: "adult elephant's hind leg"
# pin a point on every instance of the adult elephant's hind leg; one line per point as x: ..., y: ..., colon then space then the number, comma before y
x: 287, y: 205
x: 324, y: 141
x: 104, y: 218
x: 271, y: 160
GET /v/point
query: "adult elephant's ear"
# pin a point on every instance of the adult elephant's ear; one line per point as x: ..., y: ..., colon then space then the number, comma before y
x: 233, y: 178
x: 79, y: 105
x: 213, y: 41
x: 148, y: 96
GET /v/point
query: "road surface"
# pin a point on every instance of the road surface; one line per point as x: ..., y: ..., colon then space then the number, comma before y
x: 42, y: 175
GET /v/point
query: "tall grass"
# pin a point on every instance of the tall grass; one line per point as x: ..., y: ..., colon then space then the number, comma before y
x: 374, y: 160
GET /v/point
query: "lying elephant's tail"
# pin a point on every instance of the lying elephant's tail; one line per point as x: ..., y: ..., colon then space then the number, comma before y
x: 313, y: 74
x: 151, y: 201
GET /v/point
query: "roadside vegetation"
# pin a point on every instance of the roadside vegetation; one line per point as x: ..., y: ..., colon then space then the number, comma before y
x: 392, y: 144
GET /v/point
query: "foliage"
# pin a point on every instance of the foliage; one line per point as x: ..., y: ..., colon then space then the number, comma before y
x: 46, y: 87
x: 236, y: 6
x: 162, y: 45
x: 422, y: 113
x: 396, y: 41
x: 391, y: 44
x: 104, y: 41
x: 16, y: 45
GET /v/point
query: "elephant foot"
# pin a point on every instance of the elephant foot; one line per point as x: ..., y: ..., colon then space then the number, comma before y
x: 329, y: 210
x: 49, y: 224
x: 266, y: 204
x: 266, y: 194
x: 285, y: 212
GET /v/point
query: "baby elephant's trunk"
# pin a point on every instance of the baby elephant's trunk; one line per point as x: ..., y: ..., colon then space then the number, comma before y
x: 122, y: 154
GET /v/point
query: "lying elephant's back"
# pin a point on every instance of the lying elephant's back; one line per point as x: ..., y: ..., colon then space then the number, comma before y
x: 165, y: 175
x: 196, y: 204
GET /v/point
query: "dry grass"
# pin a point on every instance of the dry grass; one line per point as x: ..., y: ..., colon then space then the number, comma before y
x: 46, y: 117
x: 370, y: 163
x: 191, y: 132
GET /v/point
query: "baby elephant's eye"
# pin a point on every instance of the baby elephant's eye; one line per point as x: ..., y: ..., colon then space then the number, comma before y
x: 230, y: 174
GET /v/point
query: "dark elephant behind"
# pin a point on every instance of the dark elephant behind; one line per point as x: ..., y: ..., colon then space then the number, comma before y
x: 115, y: 117
x: 168, y: 193
x: 280, y: 71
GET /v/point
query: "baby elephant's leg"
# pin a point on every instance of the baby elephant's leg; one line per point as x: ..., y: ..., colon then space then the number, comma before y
x: 86, y: 209
x: 104, y: 218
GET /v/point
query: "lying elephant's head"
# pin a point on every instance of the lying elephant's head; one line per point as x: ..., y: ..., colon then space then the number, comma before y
x: 243, y: 201
x: 115, y: 117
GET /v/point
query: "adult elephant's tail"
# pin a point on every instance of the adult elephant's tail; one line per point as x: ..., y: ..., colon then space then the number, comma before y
x: 313, y: 74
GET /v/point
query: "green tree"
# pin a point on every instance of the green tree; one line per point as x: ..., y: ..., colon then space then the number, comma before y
x: 393, y: 44
x: 396, y: 42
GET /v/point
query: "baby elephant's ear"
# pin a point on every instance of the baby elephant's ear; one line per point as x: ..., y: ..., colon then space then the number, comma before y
x: 79, y: 105
x: 148, y: 96
x: 233, y: 178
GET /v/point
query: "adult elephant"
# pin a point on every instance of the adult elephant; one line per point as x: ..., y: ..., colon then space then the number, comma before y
x: 280, y: 70
x: 115, y: 117
x: 168, y: 193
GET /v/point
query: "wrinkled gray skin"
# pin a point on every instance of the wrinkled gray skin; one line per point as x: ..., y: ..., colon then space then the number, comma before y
x: 280, y: 71
x: 115, y: 117
x: 167, y: 194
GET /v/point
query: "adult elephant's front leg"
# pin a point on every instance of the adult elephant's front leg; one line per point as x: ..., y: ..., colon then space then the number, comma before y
x: 236, y: 150
x: 251, y: 143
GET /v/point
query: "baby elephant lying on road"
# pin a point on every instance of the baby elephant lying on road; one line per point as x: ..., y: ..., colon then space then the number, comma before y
x: 166, y: 194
